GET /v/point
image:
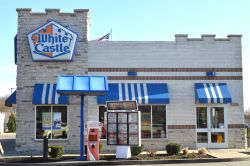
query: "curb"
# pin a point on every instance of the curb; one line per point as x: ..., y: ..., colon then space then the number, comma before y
x: 145, y: 162
x: 135, y: 162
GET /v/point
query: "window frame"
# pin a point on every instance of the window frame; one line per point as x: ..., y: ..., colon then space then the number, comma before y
x: 51, y: 106
x: 196, y: 116
x: 225, y: 129
x: 166, y: 137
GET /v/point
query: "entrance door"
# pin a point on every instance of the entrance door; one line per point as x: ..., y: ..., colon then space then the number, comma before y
x: 211, y: 127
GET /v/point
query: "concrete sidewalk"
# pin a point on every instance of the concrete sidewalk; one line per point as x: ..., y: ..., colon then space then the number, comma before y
x: 229, y: 153
x: 221, y: 153
x: 7, y: 136
x: 216, y: 153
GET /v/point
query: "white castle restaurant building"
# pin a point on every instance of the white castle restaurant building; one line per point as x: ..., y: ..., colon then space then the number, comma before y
x: 189, y: 91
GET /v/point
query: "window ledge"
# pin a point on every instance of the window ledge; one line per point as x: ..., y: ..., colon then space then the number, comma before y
x: 154, y: 139
x: 144, y: 139
x: 52, y: 140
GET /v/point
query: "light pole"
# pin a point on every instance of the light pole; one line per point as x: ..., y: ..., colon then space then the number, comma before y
x: 11, y: 90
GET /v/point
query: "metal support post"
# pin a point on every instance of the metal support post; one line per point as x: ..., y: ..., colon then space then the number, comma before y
x: 82, y: 157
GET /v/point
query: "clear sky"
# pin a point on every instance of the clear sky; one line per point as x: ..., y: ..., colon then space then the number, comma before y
x: 136, y: 20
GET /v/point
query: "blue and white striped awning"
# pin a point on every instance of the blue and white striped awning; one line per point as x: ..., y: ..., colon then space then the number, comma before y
x: 144, y: 93
x: 46, y: 94
x: 11, y: 100
x: 212, y: 93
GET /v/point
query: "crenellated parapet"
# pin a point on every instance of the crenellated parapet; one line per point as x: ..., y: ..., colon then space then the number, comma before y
x: 207, y: 38
x: 56, y: 12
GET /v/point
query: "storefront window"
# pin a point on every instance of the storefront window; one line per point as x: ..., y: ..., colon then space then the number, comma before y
x: 217, y: 117
x: 145, y: 121
x: 217, y: 137
x: 159, y: 121
x: 201, y: 114
x: 59, y: 125
x: 202, y: 137
x: 51, y: 121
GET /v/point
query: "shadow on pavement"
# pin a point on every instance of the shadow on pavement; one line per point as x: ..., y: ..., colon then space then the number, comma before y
x: 8, y: 146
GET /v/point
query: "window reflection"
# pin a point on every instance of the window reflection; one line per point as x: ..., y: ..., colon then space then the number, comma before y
x: 202, y: 137
x: 51, y: 121
x: 145, y: 121
x: 43, y: 122
x: 217, y: 137
x: 159, y: 121
x: 201, y: 114
x: 59, y: 122
x: 217, y: 117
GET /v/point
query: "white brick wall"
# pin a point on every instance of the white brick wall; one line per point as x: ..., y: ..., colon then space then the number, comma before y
x: 187, y: 54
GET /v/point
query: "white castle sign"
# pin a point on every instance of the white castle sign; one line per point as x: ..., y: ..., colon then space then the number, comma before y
x: 52, y: 42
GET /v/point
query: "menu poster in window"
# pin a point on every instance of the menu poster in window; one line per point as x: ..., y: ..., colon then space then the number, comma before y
x: 111, y: 117
x: 133, y: 134
x: 123, y: 139
x: 133, y: 139
x: 57, y: 118
x: 112, y: 139
x: 133, y: 128
x: 133, y: 117
x: 122, y: 128
x: 122, y: 117
x: 112, y: 128
x: 122, y: 134
x: 46, y: 121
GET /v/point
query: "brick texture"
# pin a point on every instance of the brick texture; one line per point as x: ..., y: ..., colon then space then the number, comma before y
x: 164, y: 69
x: 29, y: 73
x: 236, y: 126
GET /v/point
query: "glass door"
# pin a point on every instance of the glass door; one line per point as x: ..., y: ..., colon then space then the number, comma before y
x: 217, y: 127
x: 211, y: 127
x: 202, y: 127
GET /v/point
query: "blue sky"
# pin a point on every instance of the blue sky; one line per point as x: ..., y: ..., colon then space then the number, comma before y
x: 134, y: 20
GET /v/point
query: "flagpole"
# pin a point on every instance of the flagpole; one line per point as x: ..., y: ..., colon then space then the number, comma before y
x: 111, y: 34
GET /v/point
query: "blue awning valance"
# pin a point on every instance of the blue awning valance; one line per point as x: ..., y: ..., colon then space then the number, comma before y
x: 46, y: 94
x: 11, y: 100
x: 144, y: 93
x: 212, y: 93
